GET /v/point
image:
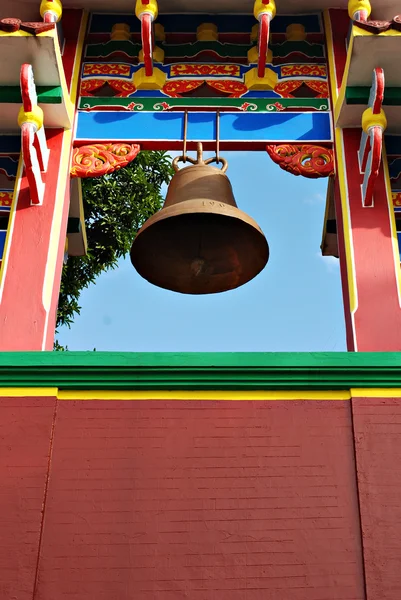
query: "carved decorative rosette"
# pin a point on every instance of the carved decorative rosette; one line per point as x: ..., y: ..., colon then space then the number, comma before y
x: 101, y: 159
x: 306, y: 160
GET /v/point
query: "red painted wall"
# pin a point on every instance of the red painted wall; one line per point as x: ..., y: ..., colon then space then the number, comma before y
x: 378, y: 453
x: 170, y: 500
x: 25, y: 441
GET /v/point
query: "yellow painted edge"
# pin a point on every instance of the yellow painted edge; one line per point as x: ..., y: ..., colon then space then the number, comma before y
x: 375, y: 392
x: 341, y: 97
x: 81, y: 395
x: 21, y: 33
x: 63, y: 181
x: 330, y: 57
x: 342, y: 179
x: 358, y: 31
x: 10, y: 228
x: 78, y: 56
x: 202, y: 395
x: 394, y: 239
x: 70, y: 107
x: 25, y: 392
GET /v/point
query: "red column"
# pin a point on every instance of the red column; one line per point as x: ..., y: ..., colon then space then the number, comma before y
x: 367, y: 236
x: 34, y: 255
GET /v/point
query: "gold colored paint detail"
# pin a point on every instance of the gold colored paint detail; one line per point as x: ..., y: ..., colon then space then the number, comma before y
x: 268, y: 82
x: 357, y: 5
x: 158, y: 55
x: 120, y: 32
x: 296, y: 33
x: 160, y: 35
x: 260, y: 8
x: 253, y: 56
x: 207, y: 32
x: 369, y: 119
x: 154, y: 82
x: 255, y: 33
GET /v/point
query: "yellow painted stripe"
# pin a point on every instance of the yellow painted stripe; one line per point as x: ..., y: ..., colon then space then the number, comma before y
x: 202, y: 395
x: 341, y: 166
x: 78, y: 56
x: 63, y: 181
x: 63, y: 83
x: 394, y: 238
x: 375, y: 392
x: 27, y: 392
x: 330, y: 51
x: 342, y: 179
x: 81, y: 395
x: 341, y: 97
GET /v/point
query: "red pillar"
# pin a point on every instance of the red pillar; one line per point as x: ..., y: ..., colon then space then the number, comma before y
x: 367, y: 236
x: 34, y: 255
x: 33, y: 258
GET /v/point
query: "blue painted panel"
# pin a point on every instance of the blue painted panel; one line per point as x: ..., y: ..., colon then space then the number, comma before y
x: 10, y: 144
x: 393, y: 144
x: 234, y: 127
x: 2, y: 242
x: 399, y: 243
x: 9, y: 166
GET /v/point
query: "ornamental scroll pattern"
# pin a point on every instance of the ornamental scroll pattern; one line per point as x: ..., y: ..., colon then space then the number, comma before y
x: 306, y: 160
x: 233, y: 89
x: 101, y: 159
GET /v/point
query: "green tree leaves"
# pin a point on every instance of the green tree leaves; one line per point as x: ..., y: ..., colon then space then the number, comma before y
x: 115, y: 207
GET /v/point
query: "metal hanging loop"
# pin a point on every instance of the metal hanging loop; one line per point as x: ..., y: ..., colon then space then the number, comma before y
x: 199, y: 160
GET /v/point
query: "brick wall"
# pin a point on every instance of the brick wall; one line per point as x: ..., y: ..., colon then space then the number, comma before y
x: 378, y: 453
x: 25, y: 443
x: 198, y: 500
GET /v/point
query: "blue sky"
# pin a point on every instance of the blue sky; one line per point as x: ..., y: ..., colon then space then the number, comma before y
x: 295, y: 304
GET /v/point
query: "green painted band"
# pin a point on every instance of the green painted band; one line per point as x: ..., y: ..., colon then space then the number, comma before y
x: 248, y: 104
x: 190, y: 50
x: 360, y: 95
x: 200, y: 371
x: 46, y: 94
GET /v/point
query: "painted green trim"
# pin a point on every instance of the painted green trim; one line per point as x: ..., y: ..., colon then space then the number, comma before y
x: 360, y: 95
x: 46, y: 94
x: 288, y: 48
x: 111, y: 48
x: 186, y: 51
x: 268, y: 105
x: 204, y: 371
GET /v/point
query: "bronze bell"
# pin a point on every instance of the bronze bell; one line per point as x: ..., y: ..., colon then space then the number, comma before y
x: 200, y: 242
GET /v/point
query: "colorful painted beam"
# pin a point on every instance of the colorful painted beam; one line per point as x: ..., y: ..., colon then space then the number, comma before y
x: 244, y: 104
x: 165, y: 130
